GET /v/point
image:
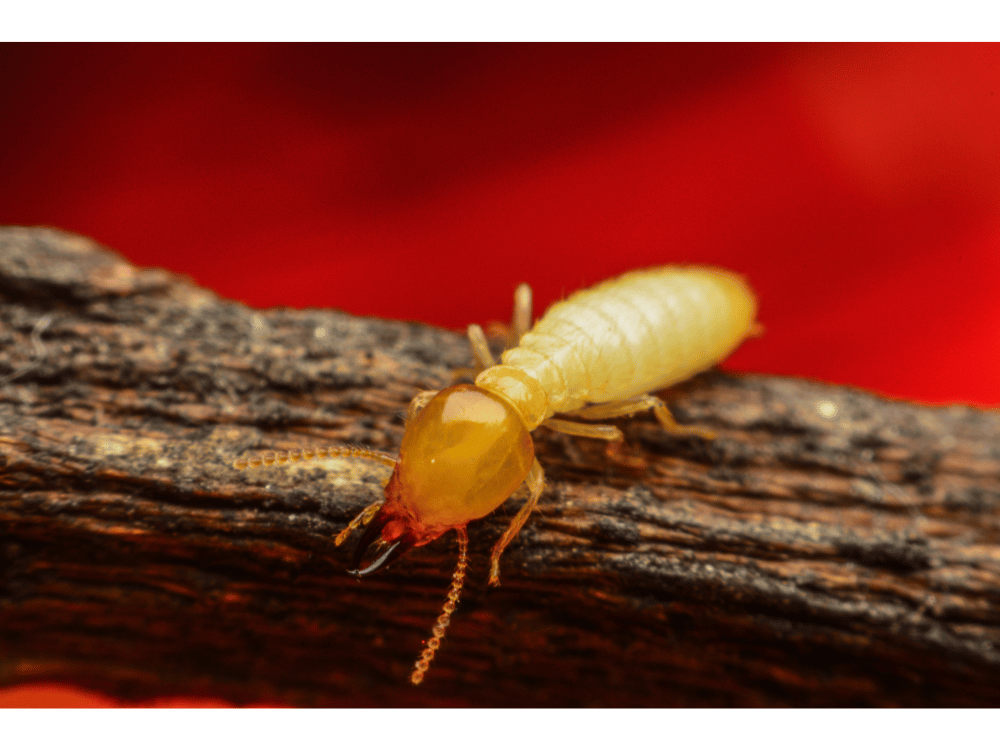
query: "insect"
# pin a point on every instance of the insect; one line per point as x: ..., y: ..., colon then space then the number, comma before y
x: 596, y: 355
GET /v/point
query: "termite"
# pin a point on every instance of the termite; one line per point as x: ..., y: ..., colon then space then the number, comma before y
x: 598, y: 354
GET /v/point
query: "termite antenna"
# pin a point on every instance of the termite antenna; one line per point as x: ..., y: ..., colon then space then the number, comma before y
x: 424, y: 662
x: 312, y: 454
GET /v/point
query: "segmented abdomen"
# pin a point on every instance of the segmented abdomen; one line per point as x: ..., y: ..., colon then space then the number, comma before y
x: 638, y: 333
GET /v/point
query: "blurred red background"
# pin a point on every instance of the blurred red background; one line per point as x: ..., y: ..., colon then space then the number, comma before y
x: 856, y: 186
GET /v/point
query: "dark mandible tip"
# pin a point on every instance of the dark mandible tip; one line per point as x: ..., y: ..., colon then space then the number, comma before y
x: 371, y: 535
x: 392, y: 552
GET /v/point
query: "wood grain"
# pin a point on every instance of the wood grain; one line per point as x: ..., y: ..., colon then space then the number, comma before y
x: 828, y: 548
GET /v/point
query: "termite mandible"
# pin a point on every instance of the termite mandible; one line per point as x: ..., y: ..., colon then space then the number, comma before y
x: 596, y: 355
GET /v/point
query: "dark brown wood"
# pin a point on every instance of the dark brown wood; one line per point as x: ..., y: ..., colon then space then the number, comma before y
x: 827, y: 548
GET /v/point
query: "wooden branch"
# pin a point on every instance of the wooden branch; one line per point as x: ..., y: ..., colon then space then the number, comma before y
x: 829, y: 547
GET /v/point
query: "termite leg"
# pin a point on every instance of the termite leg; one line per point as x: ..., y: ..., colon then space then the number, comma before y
x: 641, y: 403
x: 437, y: 632
x: 536, y: 483
x: 520, y: 323
x: 480, y: 348
x: 362, y: 519
x: 614, y: 436
x: 668, y: 423
x: 419, y: 402
x: 598, y: 431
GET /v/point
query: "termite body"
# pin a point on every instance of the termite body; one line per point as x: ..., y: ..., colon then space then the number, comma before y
x: 596, y: 355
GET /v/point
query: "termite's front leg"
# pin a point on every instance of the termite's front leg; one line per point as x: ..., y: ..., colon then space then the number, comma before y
x: 362, y: 519
x: 419, y: 402
x: 536, y: 483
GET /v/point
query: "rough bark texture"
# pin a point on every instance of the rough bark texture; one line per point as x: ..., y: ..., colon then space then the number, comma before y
x: 828, y: 548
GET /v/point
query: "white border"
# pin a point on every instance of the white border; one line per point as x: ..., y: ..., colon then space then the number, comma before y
x: 510, y: 20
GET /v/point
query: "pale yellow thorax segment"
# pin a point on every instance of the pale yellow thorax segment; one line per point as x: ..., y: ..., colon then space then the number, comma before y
x: 632, y: 335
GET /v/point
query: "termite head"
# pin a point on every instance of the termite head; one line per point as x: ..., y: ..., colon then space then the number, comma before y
x: 461, y: 457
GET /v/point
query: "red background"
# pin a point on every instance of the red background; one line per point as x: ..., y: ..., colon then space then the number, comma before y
x: 856, y: 186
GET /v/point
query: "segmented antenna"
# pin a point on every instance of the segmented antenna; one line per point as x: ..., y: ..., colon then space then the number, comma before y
x: 311, y: 454
x: 424, y: 663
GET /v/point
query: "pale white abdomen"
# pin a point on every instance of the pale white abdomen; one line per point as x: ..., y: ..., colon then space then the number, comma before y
x: 640, y: 332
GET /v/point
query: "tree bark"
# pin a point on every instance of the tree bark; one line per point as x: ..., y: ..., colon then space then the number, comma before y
x: 827, y: 548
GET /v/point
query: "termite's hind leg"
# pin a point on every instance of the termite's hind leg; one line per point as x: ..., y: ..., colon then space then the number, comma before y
x: 641, y: 403
x: 667, y: 421
x: 536, y: 483
x: 362, y: 519
x: 520, y: 323
x: 614, y: 436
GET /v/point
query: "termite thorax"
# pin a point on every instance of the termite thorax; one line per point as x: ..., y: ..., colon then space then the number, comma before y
x: 523, y: 392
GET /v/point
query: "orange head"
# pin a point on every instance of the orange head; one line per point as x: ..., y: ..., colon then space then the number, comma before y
x: 461, y: 457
